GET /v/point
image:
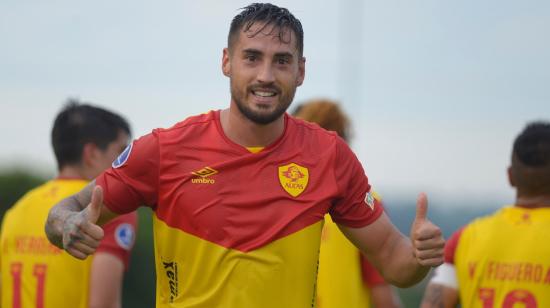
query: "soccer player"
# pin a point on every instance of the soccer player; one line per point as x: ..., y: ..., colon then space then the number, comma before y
x: 346, y: 278
x: 85, y: 139
x: 503, y: 260
x: 239, y: 195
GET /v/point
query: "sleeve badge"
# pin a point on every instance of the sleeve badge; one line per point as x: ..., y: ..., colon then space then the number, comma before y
x: 369, y: 200
x: 125, y: 235
x: 123, y: 157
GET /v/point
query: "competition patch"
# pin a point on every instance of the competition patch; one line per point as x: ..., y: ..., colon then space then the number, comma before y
x: 123, y: 157
x: 124, y: 236
x: 369, y: 200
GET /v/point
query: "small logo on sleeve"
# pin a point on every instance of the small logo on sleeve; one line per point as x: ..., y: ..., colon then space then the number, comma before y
x: 123, y: 157
x: 124, y: 236
x: 293, y: 178
x: 369, y: 200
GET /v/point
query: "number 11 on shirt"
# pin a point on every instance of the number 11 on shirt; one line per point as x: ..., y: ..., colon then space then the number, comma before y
x: 39, y: 271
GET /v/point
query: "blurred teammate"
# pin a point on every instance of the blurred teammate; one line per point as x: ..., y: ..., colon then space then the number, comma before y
x: 503, y: 260
x: 345, y: 278
x: 86, y: 140
x: 239, y: 195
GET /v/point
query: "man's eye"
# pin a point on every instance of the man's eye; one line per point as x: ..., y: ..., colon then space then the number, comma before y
x: 282, y: 61
x: 251, y: 58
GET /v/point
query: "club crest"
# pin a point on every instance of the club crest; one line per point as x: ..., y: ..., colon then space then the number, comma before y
x: 293, y: 178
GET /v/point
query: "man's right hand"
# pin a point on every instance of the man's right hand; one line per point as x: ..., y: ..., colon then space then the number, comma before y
x: 81, y: 234
x: 426, y: 237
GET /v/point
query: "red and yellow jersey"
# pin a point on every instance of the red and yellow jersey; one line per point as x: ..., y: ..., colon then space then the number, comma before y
x: 503, y: 260
x: 345, y: 276
x: 37, y: 274
x: 235, y: 228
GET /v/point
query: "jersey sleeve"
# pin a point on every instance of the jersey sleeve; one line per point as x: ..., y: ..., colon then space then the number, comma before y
x: 370, y: 275
x: 132, y: 180
x: 355, y: 207
x: 120, y: 235
x: 450, y: 246
x: 445, y: 274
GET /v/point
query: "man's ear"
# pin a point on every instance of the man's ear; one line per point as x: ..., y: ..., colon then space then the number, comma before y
x: 301, y: 71
x: 511, y: 177
x: 89, y: 154
x: 226, y: 65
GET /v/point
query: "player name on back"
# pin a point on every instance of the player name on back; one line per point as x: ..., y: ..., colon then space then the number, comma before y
x: 514, y: 271
x: 36, y: 245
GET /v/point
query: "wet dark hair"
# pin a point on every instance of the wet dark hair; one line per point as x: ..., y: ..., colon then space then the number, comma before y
x: 531, y: 159
x: 279, y: 18
x: 78, y: 124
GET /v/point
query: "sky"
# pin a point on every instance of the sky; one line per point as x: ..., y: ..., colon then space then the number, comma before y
x: 436, y: 90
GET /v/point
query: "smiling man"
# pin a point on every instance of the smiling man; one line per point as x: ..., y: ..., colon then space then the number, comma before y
x: 239, y: 195
x: 266, y: 78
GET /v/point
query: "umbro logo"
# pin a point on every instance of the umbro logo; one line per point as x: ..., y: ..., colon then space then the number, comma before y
x: 203, y: 176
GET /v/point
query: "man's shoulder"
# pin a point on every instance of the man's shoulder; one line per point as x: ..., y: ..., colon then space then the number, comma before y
x: 303, y: 132
x: 486, y: 220
x: 310, y: 128
x: 190, y: 122
x: 481, y: 225
x: 35, y: 194
x: 24, y: 214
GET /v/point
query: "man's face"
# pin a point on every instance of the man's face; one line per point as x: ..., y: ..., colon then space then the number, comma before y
x: 264, y: 72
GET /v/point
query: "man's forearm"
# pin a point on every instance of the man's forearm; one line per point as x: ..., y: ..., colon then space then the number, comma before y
x: 391, y: 252
x: 57, y: 216
x: 384, y: 296
x: 439, y: 296
x: 403, y: 270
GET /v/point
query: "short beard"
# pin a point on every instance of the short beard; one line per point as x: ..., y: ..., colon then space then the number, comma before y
x: 262, y: 118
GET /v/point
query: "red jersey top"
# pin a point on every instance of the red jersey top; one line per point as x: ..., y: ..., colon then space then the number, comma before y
x: 236, y: 225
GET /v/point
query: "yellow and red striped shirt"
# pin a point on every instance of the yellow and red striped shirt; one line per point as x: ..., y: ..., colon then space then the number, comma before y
x: 235, y: 228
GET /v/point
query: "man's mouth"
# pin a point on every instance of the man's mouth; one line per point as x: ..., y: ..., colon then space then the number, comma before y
x: 264, y: 93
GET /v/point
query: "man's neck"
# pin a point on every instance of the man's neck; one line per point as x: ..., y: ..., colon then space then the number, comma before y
x: 244, y: 132
x: 533, y: 202
x: 73, y: 172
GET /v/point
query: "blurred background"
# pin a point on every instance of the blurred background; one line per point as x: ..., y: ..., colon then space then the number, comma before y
x: 436, y: 90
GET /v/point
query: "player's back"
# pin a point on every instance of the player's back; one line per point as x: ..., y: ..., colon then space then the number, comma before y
x: 34, y: 272
x: 504, y: 259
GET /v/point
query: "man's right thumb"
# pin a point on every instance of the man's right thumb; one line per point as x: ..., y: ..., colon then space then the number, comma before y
x: 421, y: 207
x: 94, y: 208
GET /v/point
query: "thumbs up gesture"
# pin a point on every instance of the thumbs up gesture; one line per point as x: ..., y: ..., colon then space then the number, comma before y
x: 426, y: 237
x: 81, y: 235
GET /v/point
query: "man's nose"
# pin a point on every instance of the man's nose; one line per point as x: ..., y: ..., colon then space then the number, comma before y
x: 265, y: 75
